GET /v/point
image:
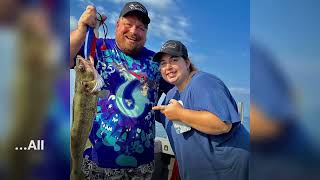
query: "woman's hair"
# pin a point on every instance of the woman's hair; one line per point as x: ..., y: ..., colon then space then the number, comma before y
x: 192, y: 67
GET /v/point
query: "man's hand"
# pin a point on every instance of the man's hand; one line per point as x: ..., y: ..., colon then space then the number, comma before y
x: 172, y: 111
x: 88, y: 17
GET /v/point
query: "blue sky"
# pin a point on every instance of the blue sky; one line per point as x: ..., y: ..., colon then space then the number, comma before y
x: 216, y: 33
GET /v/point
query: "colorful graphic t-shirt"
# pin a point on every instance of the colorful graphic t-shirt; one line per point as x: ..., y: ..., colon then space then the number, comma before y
x: 122, y: 135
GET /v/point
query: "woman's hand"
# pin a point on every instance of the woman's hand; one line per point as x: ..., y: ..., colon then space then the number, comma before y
x: 203, y: 121
x: 172, y: 111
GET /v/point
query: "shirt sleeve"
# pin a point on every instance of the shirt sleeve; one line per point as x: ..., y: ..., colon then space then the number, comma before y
x: 213, y: 96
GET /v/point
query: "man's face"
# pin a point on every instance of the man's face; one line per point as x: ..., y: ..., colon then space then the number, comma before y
x: 130, y: 34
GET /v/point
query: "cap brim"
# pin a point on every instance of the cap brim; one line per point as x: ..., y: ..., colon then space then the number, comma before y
x: 157, y: 56
x: 145, y: 17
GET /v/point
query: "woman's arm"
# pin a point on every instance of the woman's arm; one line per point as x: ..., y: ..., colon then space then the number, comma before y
x: 203, y: 121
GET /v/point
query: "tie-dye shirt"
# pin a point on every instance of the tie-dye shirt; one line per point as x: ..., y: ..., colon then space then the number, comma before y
x: 122, y: 135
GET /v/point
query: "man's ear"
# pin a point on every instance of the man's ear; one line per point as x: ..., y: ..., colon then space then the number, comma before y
x: 118, y: 21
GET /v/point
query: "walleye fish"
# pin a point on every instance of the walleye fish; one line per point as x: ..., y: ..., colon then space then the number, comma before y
x: 87, y: 90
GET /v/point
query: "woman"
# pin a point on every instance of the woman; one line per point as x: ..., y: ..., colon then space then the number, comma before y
x: 201, y: 120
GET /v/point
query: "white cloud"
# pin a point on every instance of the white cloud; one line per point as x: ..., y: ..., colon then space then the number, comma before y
x: 101, y: 10
x: 86, y: 1
x: 182, y: 21
x: 113, y: 17
x: 118, y: 1
x: 73, y: 23
x: 166, y: 27
x: 198, y: 57
x: 240, y: 90
x: 156, y: 4
x: 160, y: 4
x: 167, y: 21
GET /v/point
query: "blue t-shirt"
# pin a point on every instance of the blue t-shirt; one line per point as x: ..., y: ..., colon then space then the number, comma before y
x: 122, y: 135
x: 203, y: 156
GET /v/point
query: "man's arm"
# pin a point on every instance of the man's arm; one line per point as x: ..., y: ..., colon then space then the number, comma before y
x: 77, y: 37
x: 76, y: 40
x: 203, y: 121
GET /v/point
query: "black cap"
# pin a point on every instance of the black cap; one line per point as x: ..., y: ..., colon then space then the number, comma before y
x: 172, y: 47
x: 136, y: 7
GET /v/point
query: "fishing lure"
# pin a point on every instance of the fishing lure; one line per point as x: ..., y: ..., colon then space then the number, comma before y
x: 92, y: 35
x: 90, y: 46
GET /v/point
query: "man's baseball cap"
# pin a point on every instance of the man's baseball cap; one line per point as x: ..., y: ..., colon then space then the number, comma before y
x: 136, y: 7
x: 172, y: 47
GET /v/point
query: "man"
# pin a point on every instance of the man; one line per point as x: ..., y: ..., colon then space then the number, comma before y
x: 122, y: 137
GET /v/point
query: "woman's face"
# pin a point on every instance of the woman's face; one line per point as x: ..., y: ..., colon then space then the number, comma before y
x: 174, y: 69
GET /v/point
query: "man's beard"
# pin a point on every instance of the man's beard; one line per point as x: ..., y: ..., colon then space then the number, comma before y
x: 129, y: 48
x: 132, y: 49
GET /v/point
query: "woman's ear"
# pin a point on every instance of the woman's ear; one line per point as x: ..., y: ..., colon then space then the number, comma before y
x: 188, y: 63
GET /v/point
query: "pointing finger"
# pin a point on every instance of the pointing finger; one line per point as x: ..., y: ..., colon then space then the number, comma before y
x: 158, y: 108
